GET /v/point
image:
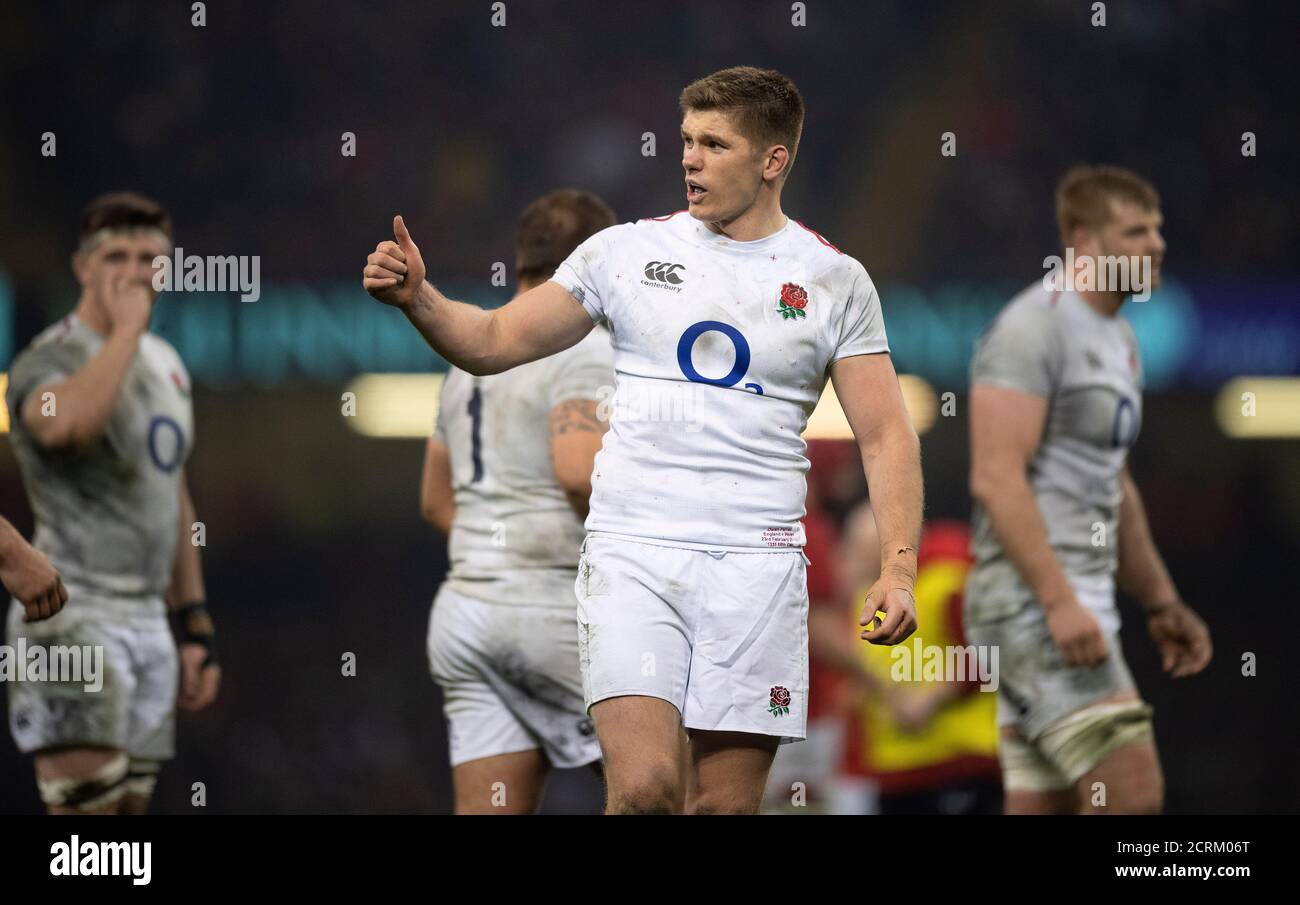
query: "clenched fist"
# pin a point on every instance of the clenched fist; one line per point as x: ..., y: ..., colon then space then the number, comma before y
x: 127, y: 300
x: 1182, y: 638
x: 30, y: 577
x: 1077, y: 634
x: 395, y: 270
x: 200, y: 680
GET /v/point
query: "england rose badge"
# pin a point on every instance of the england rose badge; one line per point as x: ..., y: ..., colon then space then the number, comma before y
x: 794, y: 299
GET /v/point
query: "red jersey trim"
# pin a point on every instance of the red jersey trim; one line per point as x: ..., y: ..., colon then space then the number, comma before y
x: 821, y: 239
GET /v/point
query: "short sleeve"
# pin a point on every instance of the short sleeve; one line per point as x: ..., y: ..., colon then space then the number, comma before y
x: 38, y: 366
x: 586, y: 371
x: 1135, y: 351
x: 862, y: 329
x: 582, y: 273
x: 440, y: 420
x: 1019, y: 352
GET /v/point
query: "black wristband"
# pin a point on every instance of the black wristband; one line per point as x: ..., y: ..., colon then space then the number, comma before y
x: 192, y: 624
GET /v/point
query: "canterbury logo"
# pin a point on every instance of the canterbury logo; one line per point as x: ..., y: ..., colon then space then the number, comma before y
x: 663, y: 272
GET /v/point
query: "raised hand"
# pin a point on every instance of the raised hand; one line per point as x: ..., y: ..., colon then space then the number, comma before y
x: 395, y: 270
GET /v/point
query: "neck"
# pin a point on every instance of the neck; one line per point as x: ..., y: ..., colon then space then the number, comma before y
x: 1104, y: 303
x: 760, y: 219
x: 92, y: 315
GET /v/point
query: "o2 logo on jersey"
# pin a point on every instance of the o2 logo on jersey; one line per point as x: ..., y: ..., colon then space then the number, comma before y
x: 1125, y: 429
x: 686, y: 348
x: 166, y: 443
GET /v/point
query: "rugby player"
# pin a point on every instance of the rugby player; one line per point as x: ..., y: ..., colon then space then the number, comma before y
x: 1056, y: 403
x: 102, y: 426
x: 692, y: 594
x: 507, y: 476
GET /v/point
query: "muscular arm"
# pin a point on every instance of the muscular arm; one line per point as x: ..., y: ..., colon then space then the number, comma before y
x: 540, y: 322
x: 83, y: 403
x: 437, y: 500
x: 187, y: 569
x: 1006, y: 426
x: 868, y: 391
x: 576, y: 435
x: 1142, y: 572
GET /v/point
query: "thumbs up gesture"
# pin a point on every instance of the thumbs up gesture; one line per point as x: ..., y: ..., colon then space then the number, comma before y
x: 395, y: 270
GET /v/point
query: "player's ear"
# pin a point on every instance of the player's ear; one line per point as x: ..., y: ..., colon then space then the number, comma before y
x: 80, y: 268
x: 1083, y: 240
x: 777, y: 162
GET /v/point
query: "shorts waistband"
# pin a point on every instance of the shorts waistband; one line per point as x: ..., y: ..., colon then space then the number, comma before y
x: 684, y: 545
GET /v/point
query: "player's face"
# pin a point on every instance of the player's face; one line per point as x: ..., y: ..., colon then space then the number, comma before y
x: 723, y: 170
x: 129, y: 254
x: 1134, y: 231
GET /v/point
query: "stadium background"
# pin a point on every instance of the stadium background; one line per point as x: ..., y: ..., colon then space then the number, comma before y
x: 315, y: 546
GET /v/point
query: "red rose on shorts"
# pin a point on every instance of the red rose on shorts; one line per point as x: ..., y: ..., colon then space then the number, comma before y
x: 780, y: 697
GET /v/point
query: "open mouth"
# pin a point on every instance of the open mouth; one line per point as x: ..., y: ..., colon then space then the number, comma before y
x: 694, y: 191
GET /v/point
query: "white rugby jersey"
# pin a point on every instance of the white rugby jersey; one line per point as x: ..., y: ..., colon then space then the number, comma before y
x: 513, y: 522
x: 721, y: 350
x: 1087, y: 366
x: 107, y: 515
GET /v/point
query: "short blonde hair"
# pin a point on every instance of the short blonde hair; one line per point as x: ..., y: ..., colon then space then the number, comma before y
x: 767, y: 107
x: 1084, y: 193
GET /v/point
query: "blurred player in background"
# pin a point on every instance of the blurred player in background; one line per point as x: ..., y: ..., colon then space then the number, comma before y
x: 924, y: 745
x: 692, y: 591
x: 507, y: 475
x: 101, y: 427
x: 29, y: 576
x: 1056, y: 402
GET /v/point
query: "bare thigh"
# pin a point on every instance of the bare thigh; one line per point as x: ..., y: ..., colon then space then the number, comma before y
x: 503, y: 784
x: 1128, y: 781
x: 730, y: 771
x: 644, y: 750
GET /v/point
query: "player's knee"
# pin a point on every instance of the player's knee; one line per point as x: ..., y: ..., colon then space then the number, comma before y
x: 100, y: 792
x: 1140, y: 786
x: 652, y: 786
x: 725, y: 801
